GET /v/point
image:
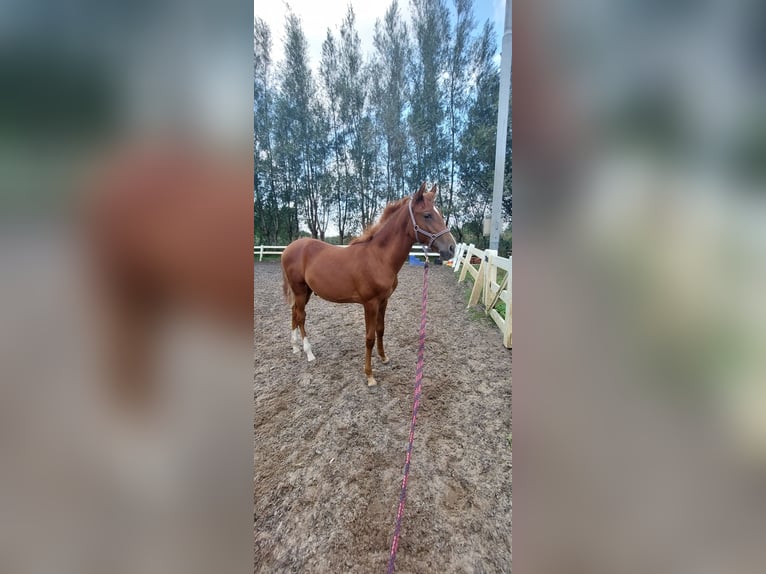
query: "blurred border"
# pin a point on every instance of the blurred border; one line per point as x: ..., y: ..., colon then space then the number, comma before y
x: 639, y: 381
x: 126, y: 225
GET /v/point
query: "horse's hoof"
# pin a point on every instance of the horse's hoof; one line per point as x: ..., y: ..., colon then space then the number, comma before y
x: 384, y: 360
x: 371, y: 382
x: 311, y: 358
x: 296, y: 350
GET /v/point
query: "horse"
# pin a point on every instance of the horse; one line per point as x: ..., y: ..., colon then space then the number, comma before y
x: 365, y: 271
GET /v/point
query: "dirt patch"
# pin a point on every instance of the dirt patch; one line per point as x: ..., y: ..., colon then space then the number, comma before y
x: 329, y: 451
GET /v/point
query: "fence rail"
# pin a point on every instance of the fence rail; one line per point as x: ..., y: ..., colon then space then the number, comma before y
x: 261, y: 250
x: 484, y: 267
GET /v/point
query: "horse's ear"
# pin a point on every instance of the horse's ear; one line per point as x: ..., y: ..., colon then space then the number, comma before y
x: 419, y: 193
x: 434, y: 191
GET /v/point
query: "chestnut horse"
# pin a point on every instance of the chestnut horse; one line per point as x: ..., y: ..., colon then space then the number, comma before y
x: 365, y: 271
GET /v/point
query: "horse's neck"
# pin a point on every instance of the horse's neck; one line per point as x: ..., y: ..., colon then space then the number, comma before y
x: 393, y: 242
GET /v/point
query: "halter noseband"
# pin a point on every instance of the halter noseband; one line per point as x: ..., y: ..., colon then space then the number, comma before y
x: 432, y: 236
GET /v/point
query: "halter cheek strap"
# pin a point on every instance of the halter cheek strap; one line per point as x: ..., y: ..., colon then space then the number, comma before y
x: 432, y: 236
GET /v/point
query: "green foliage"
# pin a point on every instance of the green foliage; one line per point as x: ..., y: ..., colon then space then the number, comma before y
x: 431, y: 29
x: 476, y: 157
x: 332, y: 147
x: 389, y: 97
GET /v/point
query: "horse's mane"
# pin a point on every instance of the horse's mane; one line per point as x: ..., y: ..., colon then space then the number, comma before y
x: 371, y: 230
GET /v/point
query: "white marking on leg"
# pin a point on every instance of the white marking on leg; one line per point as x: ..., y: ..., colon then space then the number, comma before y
x: 307, y: 348
x: 295, y: 339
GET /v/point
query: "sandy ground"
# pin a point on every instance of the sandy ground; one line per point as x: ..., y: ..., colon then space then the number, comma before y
x: 329, y: 451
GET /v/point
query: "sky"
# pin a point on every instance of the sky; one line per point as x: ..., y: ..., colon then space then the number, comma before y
x: 317, y: 16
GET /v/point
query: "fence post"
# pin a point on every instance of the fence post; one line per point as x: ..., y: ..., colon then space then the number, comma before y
x: 478, y: 284
x: 468, y: 253
x: 459, y: 256
x: 508, y: 334
x: 491, y: 274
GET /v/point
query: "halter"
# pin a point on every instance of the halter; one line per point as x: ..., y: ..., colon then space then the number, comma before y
x: 432, y: 236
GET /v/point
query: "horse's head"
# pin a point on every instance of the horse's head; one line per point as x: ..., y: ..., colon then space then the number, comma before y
x: 428, y: 223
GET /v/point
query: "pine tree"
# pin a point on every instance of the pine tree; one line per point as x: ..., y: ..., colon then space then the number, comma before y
x: 457, y: 91
x: 389, y: 96
x: 301, y: 134
x: 476, y: 157
x: 430, y: 23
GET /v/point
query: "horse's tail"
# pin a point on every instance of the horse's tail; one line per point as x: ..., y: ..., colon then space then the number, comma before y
x: 286, y: 290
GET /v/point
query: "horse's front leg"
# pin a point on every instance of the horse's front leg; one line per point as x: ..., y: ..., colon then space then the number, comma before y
x: 371, y: 323
x: 381, y: 328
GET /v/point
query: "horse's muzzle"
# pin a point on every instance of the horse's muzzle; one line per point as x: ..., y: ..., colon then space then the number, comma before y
x: 449, y: 252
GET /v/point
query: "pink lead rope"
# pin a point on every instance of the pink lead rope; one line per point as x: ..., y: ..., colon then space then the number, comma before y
x: 415, y: 406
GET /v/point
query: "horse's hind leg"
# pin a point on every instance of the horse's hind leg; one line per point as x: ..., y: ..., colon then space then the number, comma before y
x: 371, y: 324
x: 301, y: 297
x: 380, y: 328
x: 295, y: 335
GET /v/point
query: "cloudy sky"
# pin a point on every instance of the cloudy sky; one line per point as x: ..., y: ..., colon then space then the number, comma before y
x: 316, y: 16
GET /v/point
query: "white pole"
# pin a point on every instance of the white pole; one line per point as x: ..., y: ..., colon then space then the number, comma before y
x: 502, y: 130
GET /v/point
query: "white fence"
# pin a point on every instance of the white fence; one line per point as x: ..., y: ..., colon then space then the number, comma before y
x: 483, y: 267
x: 486, y: 287
x: 261, y: 250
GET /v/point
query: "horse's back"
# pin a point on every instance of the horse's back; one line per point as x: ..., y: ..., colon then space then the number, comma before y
x: 304, y: 251
x: 328, y: 270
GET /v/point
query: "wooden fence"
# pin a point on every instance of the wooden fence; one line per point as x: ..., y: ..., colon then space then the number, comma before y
x: 492, y: 281
x: 261, y: 250
x: 485, y: 269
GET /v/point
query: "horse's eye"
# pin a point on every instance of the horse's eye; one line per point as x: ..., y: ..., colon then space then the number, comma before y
x: 427, y: 215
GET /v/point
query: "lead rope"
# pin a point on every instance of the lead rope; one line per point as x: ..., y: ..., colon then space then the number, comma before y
x: 415, y: 406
